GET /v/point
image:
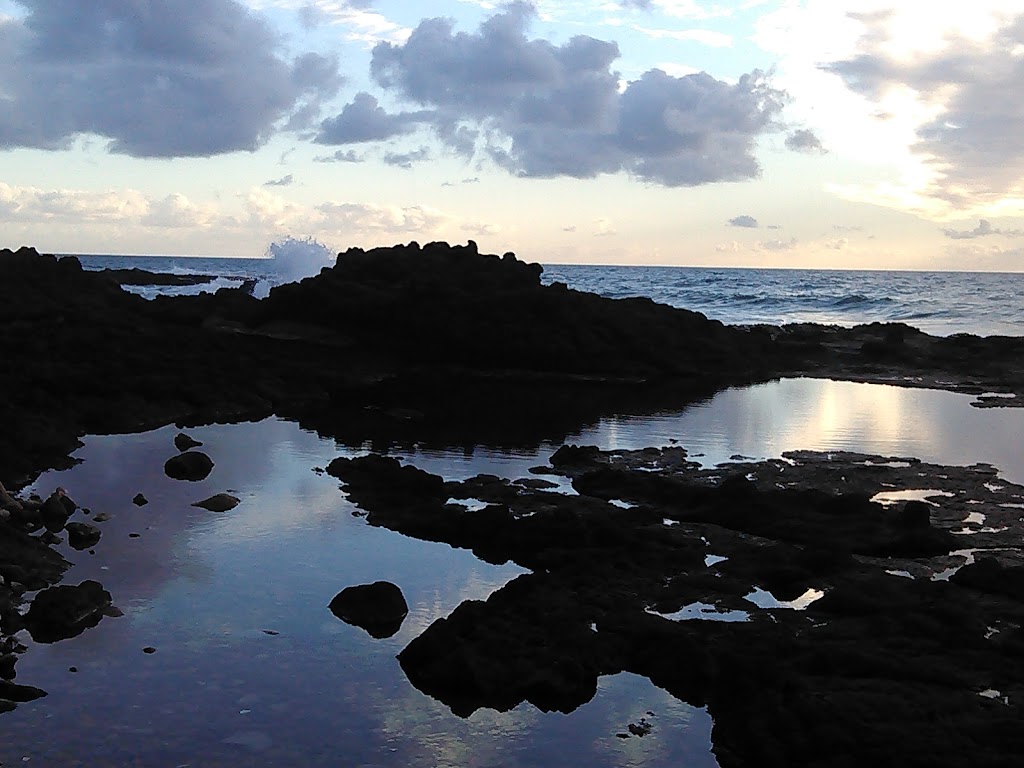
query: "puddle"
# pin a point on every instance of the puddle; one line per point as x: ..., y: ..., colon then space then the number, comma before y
x: 902, y: 574
x: 992, y: 693
x: 710, y: 560
x: 473, y: 505
x: 703, y: 612
x: 762, y: 598
x: 888, y: 498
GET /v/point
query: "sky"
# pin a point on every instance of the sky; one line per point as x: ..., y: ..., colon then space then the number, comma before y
x: 849, y: 134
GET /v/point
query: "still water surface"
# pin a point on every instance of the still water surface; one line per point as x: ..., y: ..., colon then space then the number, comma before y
x: 207, y: 591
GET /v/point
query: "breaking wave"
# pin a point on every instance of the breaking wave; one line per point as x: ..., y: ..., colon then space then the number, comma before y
x: 292, y: 259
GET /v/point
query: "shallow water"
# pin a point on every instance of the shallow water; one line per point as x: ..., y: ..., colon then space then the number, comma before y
x: 207, y: 590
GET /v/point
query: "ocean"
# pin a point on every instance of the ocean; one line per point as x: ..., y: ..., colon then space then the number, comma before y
x: 939, y: 303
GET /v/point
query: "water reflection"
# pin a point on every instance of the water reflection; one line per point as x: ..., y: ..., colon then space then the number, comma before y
x: 252, y: 669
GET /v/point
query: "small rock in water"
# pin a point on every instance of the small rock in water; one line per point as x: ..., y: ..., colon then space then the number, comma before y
x: 82, y: 535
x: 222, y: 502
x: 184, y: 442
x: 149, y: 649
x: 379, y: 608
x: 102, y: 517
x: 192, y: 466
x: 140, y: 500
x: 133, y: 535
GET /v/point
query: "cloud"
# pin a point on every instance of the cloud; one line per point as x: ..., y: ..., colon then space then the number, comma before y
x: 364, y: 120
x: 706, y: 37
x: 777, y: 245
x: 744, y: 221
x: 341, y: 156
x: 984, y: 229
x: 158, y: 79
x: 362, y: 24
x: 970, y: 140
x: 31, y: 204
x: 538, y: 109
x: 805, y: 140
x: 284, y: 181
x: 406, y: 159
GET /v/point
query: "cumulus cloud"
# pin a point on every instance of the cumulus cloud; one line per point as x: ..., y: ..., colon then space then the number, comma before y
x: 539, y: 109
x: 364, y: 120
x: 972, y: 142
x: 984, y: 229
x: 158, y: 79
x: 805, y: 140
x: 744, y: 221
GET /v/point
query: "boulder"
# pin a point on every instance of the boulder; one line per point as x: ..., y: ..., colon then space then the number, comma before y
x: 191, y: 465
x: 379, y: 608
x: 82, y: 535
x: 221, y: 502
x: 58, y: 613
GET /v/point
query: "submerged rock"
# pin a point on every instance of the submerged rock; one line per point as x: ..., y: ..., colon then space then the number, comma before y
x: 221, y: 502
x: 58, y: 613
x: 379, y: 608
x: 192, y: 466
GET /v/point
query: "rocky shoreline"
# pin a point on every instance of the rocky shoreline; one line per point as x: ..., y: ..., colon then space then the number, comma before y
x: 447, y: 345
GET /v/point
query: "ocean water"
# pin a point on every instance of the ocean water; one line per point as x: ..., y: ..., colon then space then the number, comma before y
x: 251, y: 668
x: 940, y: 303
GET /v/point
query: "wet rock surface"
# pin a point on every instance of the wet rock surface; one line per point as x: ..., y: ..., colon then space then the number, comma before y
x: 839, y: 661
x: 379, y: 608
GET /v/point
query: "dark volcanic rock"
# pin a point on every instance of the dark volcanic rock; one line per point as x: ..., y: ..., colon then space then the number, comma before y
x: 221, y: 502
x: 872, y: 668
x: 58, y: 613
x: 452, y: 306
x: 379, y: 608
x: 137, y: 276
x: 192, y: 466
x: 184, y: 442
x: 139, y: 500
x: 82, y: 535
x: 56, y: 510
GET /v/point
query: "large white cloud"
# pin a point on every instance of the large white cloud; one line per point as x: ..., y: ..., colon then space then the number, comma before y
x: 541, y: 109
x: 975, y: 145
x: 159, y: 78
x: 919, y: 94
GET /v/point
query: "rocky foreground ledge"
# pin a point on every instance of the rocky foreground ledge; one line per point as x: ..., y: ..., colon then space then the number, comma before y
x: 818, y: 626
